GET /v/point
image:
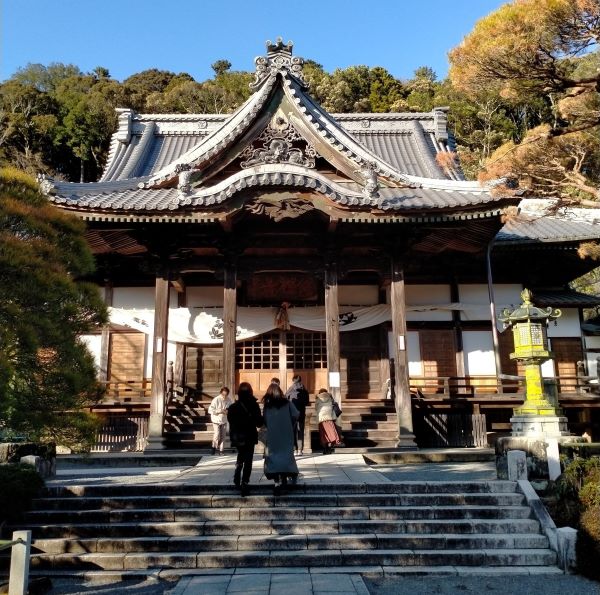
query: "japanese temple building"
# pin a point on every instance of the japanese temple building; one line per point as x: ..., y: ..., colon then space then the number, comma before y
x: 347, y: 248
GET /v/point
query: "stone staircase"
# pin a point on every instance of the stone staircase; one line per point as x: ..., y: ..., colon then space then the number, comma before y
x: 366, y: 423
x: 385, y: 526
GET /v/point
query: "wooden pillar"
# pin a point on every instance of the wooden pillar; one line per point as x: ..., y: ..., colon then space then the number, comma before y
x: 458, y: 336
x: 229, y: 325
x: 332, y: 329
x: 406, y: 437
x: 159, y: 362
x: 179, y: 369
x: 105, y: 338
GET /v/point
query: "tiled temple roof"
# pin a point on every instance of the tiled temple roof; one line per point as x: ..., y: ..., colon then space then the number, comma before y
x: 386, y: 162
x: 545, y: 221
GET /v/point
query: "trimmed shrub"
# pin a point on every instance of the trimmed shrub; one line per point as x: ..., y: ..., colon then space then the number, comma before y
x: 19, y: 484
x: 588, y: 543
x: 574, y: 500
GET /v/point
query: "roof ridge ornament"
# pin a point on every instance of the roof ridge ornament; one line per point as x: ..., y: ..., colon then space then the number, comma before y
x: 368, y: 172
x: 279, y: 60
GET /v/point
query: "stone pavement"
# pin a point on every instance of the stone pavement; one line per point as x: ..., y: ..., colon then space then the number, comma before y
x: 218, y: 469
x: 298, y: 583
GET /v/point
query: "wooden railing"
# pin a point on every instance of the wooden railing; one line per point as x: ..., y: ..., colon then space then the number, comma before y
x: 127, y: 389
x: 470, y: 386
x: 474, y: 386
x: 122, y: 433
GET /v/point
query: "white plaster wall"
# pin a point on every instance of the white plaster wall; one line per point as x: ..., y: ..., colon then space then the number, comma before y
x: 428, y: 294
x: 567, y: 325
x: 548, y: 369
x: 211, y: 297
x: 415, y: 365
x: 93, y: 342
x: 506, y: 295
x: 143, y: 298
x: 479, y: 353
x: 133, y: 297
x: 592, y: 357
x: 358, y: 295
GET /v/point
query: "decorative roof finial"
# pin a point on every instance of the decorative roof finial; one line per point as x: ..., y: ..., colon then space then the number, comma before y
x: 279, y: 60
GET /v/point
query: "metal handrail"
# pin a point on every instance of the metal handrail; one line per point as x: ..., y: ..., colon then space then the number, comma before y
x: 4, y: 545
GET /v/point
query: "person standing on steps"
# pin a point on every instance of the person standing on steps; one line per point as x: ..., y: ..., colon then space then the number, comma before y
x: 298, y: 395
x: 218, y: 416
x: 326, y: 416
x: 244, y: 418
x: 280, y: 418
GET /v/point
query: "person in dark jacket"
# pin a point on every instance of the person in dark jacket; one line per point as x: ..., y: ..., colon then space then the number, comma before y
x: 244, y: 417
x: 298, y: 395
x: 280, y: 418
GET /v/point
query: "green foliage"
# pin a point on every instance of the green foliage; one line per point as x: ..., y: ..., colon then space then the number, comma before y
x: 19, y: 484
x: 575, y: 501
x: 46, y: 374
x: 588, y: 543
x: 541, y: 56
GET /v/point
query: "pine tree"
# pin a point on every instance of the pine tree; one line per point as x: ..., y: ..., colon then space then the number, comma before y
x: 47, y: 375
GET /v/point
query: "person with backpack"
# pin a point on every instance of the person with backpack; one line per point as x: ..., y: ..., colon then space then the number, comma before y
x: 244, y: 418
x: 299, y: 397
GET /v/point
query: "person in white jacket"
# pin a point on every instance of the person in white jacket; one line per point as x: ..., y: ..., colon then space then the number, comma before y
x: 328, y: 432
x: 218, y: 416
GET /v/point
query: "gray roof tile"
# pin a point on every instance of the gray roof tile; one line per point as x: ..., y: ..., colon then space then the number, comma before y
x: 547, y: 229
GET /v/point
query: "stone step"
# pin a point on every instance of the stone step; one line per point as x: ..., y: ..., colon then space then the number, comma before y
x: 295, y: 558
x: 296, y: 500
x: 175, y: 489
x: 362, y: 541
x: 274, y: 513
x: 135, y: 529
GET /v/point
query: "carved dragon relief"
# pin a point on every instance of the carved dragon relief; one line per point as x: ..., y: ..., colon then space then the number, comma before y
x: 276, y: 145
x: 279, y: 209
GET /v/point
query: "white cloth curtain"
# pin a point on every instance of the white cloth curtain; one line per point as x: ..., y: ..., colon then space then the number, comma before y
x: 205, y: 325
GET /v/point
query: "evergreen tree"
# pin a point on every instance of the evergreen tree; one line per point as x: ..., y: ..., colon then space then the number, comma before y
x: 47, y: 375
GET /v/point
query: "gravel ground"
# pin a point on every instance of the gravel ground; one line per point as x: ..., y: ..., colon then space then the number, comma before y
x: 505, y: 585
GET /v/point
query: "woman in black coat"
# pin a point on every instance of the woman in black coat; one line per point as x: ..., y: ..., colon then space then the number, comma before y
x: 244, y: 417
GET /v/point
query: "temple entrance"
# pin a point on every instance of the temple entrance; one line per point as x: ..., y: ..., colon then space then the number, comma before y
x: 281, y: 354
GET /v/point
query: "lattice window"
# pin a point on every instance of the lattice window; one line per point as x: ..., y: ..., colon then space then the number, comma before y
x: 261, y: 353
x: 306, y: 351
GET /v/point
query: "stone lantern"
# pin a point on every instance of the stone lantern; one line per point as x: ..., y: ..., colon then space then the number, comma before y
x: 538, y: 416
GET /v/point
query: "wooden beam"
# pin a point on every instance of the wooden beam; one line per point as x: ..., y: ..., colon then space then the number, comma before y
x: 159, y: 363
x: 105, y: 338
x: 458, y: 335
x: 179, y: 369
x: 332, y: 329
x: 179, y: 285
x: 406, y: 437
x: 229, y: 324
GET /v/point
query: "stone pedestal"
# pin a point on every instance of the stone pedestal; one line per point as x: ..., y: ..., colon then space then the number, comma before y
x: 539, y: 426
x: 155, y: 437
x: 536, y: 451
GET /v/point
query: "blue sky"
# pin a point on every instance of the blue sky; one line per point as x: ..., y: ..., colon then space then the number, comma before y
x: 127, y: 36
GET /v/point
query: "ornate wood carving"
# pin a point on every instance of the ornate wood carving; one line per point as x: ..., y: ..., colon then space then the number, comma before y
x: 278, y: 143
x: 280, y: 209
x: 274, y: 288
